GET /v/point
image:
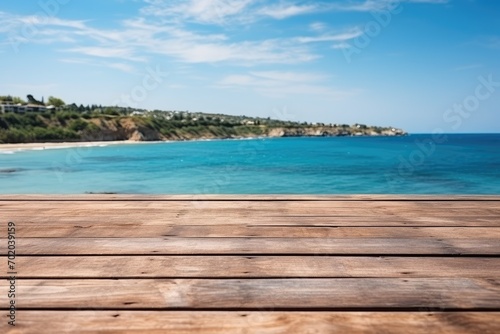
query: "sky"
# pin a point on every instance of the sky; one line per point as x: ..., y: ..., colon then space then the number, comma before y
x: 421, y: 65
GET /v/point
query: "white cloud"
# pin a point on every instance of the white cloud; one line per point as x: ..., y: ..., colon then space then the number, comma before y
x: 136, y: 40
x: 164, y: 32
x: 286, y: 10
x: 106, y: 52
x: 203, y: 11
x: 127, y: 68
x: 190, y: 47
x: 341, y: 46
x: 318, y: 27
x: 377, y: 5
x: 243, y: 53
x: 35, y: 21
x: 225, y: 12
x: 344, y: 36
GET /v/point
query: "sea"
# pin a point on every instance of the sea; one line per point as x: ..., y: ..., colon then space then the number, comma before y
x: 414, y: 164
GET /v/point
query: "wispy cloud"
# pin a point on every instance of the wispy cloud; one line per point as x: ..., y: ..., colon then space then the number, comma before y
x: 285, y: 10
x: 123, y: 67
x: 339, y: 37
x: 107, y: 52
x: 283, y: 84
x: 376, y: 5
x: 135, y: 39
x: 163, y: 29
x: 202, y: 11
x: 223, y: 12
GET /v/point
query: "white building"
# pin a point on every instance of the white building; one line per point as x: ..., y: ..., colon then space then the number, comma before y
x: 35, y: 108
x: 8, y: 106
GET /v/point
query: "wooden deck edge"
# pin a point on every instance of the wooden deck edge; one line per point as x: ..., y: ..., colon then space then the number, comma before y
x: 262, y: 322
x: 242, y: 197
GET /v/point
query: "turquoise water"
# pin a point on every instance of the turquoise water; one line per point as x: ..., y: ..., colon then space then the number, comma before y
x: 417, y: 164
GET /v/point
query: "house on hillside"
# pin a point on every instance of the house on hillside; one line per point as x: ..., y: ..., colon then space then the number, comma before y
x: 35, y: 108
x: 7, y: 106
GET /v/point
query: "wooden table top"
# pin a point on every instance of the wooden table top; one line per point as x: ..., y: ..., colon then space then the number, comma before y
x: 252, y: 264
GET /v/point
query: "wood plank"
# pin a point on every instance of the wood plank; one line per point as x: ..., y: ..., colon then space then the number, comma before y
x: 257, y: 213
x: 49, y: 322
x: 152, y: 219
x: 77, y: 226
x: 252, y: 267
x: 99, y: 229
x: 264, y: 206
x: 255, y: 294
x: 239, y: 246
x: 243, y: 197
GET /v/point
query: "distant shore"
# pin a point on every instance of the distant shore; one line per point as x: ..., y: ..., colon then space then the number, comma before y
x: 274, y: 133
x: 141, y: 138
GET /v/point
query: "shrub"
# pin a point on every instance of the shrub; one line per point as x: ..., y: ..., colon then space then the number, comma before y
x: 78, y: 125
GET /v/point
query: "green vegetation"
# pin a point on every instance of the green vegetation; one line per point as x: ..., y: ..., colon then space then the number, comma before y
x: 64, y: 122
x: 56, y: 102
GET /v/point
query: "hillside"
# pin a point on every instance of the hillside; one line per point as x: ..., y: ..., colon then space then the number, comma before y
x: 107, y: 124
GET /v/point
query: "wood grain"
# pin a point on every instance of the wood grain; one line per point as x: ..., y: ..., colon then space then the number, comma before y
x: 253, y: 267
x: 254, y: 213
x: 138, y: 219
x: 254, y: 264
x: 262, y: 322
x: 99, y: 229
x: 275, y: 294
x: 238, y: 246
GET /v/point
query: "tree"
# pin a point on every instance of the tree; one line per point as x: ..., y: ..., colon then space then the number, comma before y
x: 34, y: 101
x: 18, y: 100
x: 56, y: 102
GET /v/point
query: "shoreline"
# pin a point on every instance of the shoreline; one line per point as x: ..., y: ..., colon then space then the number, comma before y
x: 63, y: 145
x: 20, y: 147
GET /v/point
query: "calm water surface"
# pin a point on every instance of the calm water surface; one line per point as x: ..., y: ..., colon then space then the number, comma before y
x: 463, y: 164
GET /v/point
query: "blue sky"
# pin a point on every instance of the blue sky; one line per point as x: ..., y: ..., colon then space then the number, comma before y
x: 422, y: 65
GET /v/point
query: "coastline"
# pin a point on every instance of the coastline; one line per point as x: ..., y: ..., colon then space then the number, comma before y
x: 18, y: 147
x: 63, y: 145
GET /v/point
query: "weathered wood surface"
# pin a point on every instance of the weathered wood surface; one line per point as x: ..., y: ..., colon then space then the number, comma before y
x: 239, y: 246
x: 260, y: 322
x: 254, y: 264
x: 307, y: 213
x: 254, y: 267
x: 255, y: 294
x: 144, y: 230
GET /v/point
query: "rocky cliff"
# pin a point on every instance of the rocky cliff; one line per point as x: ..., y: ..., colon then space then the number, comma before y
x: 128, y: 129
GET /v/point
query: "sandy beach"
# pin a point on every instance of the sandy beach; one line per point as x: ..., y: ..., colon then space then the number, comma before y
x: 11, y: 148
x: 41, y: 146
